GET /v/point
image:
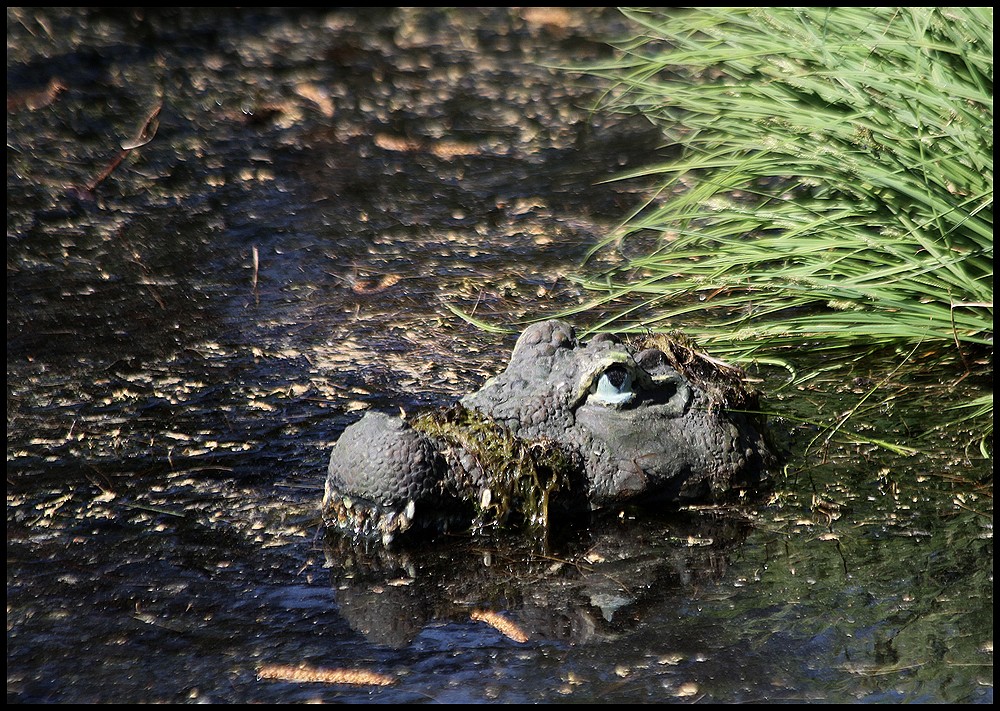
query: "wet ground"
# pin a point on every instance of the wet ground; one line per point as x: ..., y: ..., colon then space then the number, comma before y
x: 229, y: 232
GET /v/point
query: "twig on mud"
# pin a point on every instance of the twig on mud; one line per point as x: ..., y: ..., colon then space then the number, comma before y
x: 256, y: 267
x: 143, y: 135
x: 147, y: 129
x: 88, y: 189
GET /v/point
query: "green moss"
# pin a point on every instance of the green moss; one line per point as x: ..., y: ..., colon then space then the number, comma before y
x: 521, y: 476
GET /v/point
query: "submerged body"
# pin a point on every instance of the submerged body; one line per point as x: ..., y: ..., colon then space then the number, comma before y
x: 567, y: 427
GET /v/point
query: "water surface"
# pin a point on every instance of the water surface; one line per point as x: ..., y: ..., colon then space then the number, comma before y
x: 191, y: 323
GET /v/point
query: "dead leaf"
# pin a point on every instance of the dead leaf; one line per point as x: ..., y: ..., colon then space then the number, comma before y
x: 501, y: 624
x: 354, y: 677
x: 369, y: 287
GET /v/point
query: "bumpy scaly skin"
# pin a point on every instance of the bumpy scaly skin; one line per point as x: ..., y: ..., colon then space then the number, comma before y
x: 386, y: 463
x: 637, y: 428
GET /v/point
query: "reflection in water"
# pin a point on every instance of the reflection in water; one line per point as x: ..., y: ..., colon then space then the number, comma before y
x: 592, y: 588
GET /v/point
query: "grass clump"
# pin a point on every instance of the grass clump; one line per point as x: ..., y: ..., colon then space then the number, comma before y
x: 835, y: 188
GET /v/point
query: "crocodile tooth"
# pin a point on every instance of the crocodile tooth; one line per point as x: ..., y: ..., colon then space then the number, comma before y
x: 387, y: 538
x: 485, y: 498
x: 347, y: 503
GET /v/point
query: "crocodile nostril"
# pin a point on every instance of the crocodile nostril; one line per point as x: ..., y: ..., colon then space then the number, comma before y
x: 650, y: 359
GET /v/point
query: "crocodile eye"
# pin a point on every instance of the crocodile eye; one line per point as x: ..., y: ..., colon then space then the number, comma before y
x: 614, y: 387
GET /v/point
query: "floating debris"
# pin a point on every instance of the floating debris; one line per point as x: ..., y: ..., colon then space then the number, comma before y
x: 501, y: 624
x: 354, y: 677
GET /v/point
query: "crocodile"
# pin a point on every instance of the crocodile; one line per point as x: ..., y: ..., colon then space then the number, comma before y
x: 567, y: 428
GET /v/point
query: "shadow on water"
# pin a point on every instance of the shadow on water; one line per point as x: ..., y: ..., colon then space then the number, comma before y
x: 192, y: 321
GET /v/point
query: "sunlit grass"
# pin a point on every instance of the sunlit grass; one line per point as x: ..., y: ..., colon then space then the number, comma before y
x: 835, y: 190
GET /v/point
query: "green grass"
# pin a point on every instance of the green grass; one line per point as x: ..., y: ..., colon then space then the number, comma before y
x: 835, y: 187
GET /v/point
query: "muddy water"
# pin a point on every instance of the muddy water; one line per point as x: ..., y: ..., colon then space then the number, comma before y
x: 194, y: 318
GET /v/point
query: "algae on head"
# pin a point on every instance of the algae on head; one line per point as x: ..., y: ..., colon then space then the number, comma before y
x: 516, y: 479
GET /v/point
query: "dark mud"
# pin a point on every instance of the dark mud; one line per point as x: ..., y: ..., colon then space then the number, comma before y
x: 228, y: 232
